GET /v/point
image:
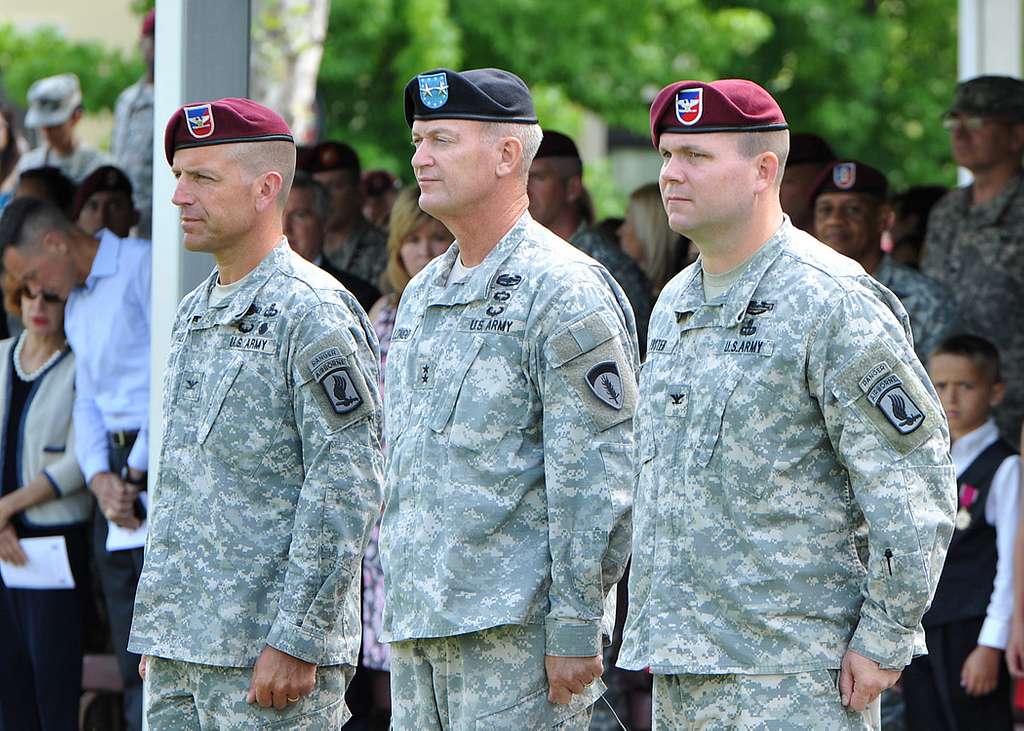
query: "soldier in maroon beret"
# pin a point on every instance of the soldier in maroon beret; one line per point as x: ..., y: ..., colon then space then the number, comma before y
x: 247, y: 612
x: 104, y: 200
x: 780, y: 396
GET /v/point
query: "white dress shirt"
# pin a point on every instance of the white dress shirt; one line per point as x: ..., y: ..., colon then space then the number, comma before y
x: 1001, y: 512
x: 107, y: 324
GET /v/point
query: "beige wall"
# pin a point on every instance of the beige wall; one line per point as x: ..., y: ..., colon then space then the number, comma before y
x: 109, y: 21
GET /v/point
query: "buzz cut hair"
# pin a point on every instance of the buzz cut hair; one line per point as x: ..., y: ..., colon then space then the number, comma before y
x: 26, y: 220
x: 752, y: 144
x: 529, y: 136
x: 257, y: 158
x: 982, y: 352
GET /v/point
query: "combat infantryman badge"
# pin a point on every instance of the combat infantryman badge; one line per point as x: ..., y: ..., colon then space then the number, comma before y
x: 200, y: 120
x: 433, y: 89
x: 689, y: 106
x: 606, y: 383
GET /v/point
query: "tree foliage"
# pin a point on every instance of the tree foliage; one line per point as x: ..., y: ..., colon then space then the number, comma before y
x: 872, y: 76
x: 27, y: 56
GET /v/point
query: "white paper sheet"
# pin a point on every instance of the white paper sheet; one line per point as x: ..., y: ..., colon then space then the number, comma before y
x: 122, y: 539
x: 47, y: 566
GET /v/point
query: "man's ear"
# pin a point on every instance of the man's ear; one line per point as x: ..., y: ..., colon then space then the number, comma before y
x: 266, y: 189
x: 54, y: 241
x: 510, y: 157
x: 573, y: 188
x: 767, y: 168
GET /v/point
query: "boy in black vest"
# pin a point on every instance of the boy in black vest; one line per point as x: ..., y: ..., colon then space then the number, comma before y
x: 963, y: 684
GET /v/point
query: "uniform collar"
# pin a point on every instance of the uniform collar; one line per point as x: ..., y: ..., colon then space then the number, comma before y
x: 237, y: 306
x: 729, y: 309
x: 105, y: 262
x: 479, y: 283
x: 992, y: 212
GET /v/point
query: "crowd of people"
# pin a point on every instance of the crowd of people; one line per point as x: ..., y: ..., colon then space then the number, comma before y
x: 154, y: 585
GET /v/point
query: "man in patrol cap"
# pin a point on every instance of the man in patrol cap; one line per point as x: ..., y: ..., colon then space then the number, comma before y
x: 782, y: 411
x: 850, y: 215
x: 247, y: 613
x: 975, y: 240
x: 509, y: 404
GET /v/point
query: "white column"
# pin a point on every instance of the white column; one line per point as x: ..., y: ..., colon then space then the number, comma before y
x: 202, y: 53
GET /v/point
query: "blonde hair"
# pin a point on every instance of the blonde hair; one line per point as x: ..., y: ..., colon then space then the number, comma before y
x: 651, y: 225
x: 406, y: 217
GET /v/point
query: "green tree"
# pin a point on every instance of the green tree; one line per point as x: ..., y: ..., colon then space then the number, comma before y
x: 872, y: 76
x: 27, y: 56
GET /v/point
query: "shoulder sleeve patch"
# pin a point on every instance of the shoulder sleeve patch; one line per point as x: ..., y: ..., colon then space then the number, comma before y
x: 886, y: 391
x: 594, y: 365
x: 329, y: 370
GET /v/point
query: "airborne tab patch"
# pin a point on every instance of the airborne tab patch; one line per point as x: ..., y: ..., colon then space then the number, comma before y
x: 340, y: 390
x: 606, y: 383
x: 896, y: 405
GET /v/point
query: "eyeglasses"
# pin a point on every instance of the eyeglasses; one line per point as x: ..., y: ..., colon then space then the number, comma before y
x: 48, y: 297
x: 970, y: 123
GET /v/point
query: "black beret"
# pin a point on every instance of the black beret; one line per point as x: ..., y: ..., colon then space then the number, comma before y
x: 806, y: 148
x: 332, y: 155
x: 851, y: 176
x: 555, y: 144
x: 487, y: 95
x: 990, y: 96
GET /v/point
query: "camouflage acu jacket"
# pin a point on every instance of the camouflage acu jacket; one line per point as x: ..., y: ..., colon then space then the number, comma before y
x: 509, y: 406
x: 269, y: 474
x: 775, y: 423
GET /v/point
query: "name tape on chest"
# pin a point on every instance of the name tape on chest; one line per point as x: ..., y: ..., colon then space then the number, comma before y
x: 251, y: 343
x: 502, y: 326
x: 764, y: 348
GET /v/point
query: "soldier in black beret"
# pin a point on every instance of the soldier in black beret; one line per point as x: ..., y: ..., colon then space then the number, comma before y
x: 808, y: 155
x: 510, y: 376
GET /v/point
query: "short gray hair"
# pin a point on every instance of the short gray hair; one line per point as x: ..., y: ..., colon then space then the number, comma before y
x: 529, y: 136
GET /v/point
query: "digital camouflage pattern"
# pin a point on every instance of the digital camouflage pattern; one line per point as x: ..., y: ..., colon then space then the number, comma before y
x: 269, y: 474
x: 928, y: 303
x: 622, y: 267
x: 185, y: 696
x: 781, y: 702
x: 977, y: 252
x: 775, y: 422
x: 131, y: 146
x: 493, y: 679
x: 363, y: 254
x: 509, y: 401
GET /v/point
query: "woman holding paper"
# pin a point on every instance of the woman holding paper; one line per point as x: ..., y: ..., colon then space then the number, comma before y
x: 44, y: 511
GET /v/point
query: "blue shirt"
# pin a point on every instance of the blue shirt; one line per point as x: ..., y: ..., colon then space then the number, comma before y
x: 107, y: 324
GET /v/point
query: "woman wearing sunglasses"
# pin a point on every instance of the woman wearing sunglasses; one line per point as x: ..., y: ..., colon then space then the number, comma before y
x: 41, y: 494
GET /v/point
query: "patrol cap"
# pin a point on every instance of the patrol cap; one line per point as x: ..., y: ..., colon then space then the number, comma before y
x: 851, y: 176
x: 101, y: 180
x: 332, y: 155
x: 52, y: 101
x: 487, y: 95
x: 555, y: 144
x: 222, y: 122
x: 726, y: 105
x: 149, y: 23
x: 990, y: 96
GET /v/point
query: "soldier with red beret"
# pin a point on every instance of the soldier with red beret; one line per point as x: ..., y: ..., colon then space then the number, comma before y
x: 104, y: 201
x: 782, y: 416
x: 247, y: 612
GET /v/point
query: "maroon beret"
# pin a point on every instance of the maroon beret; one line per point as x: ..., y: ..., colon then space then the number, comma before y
x: 149, y: 23
x: 221, y: 122
x: 100, y: 180
x: 850, y: 176
x: 727, y: 105
x: 332, y: 155
x: 379, y: 182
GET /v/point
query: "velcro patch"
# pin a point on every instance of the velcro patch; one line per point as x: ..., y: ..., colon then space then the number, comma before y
x: 341, y: 391
x: 678, y: 401
x: 899, y: 408
x: 606, y: 383
x: 500, y: 325
x: 251, y: 343
x: 764, y: 348
x: 191, y: 386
